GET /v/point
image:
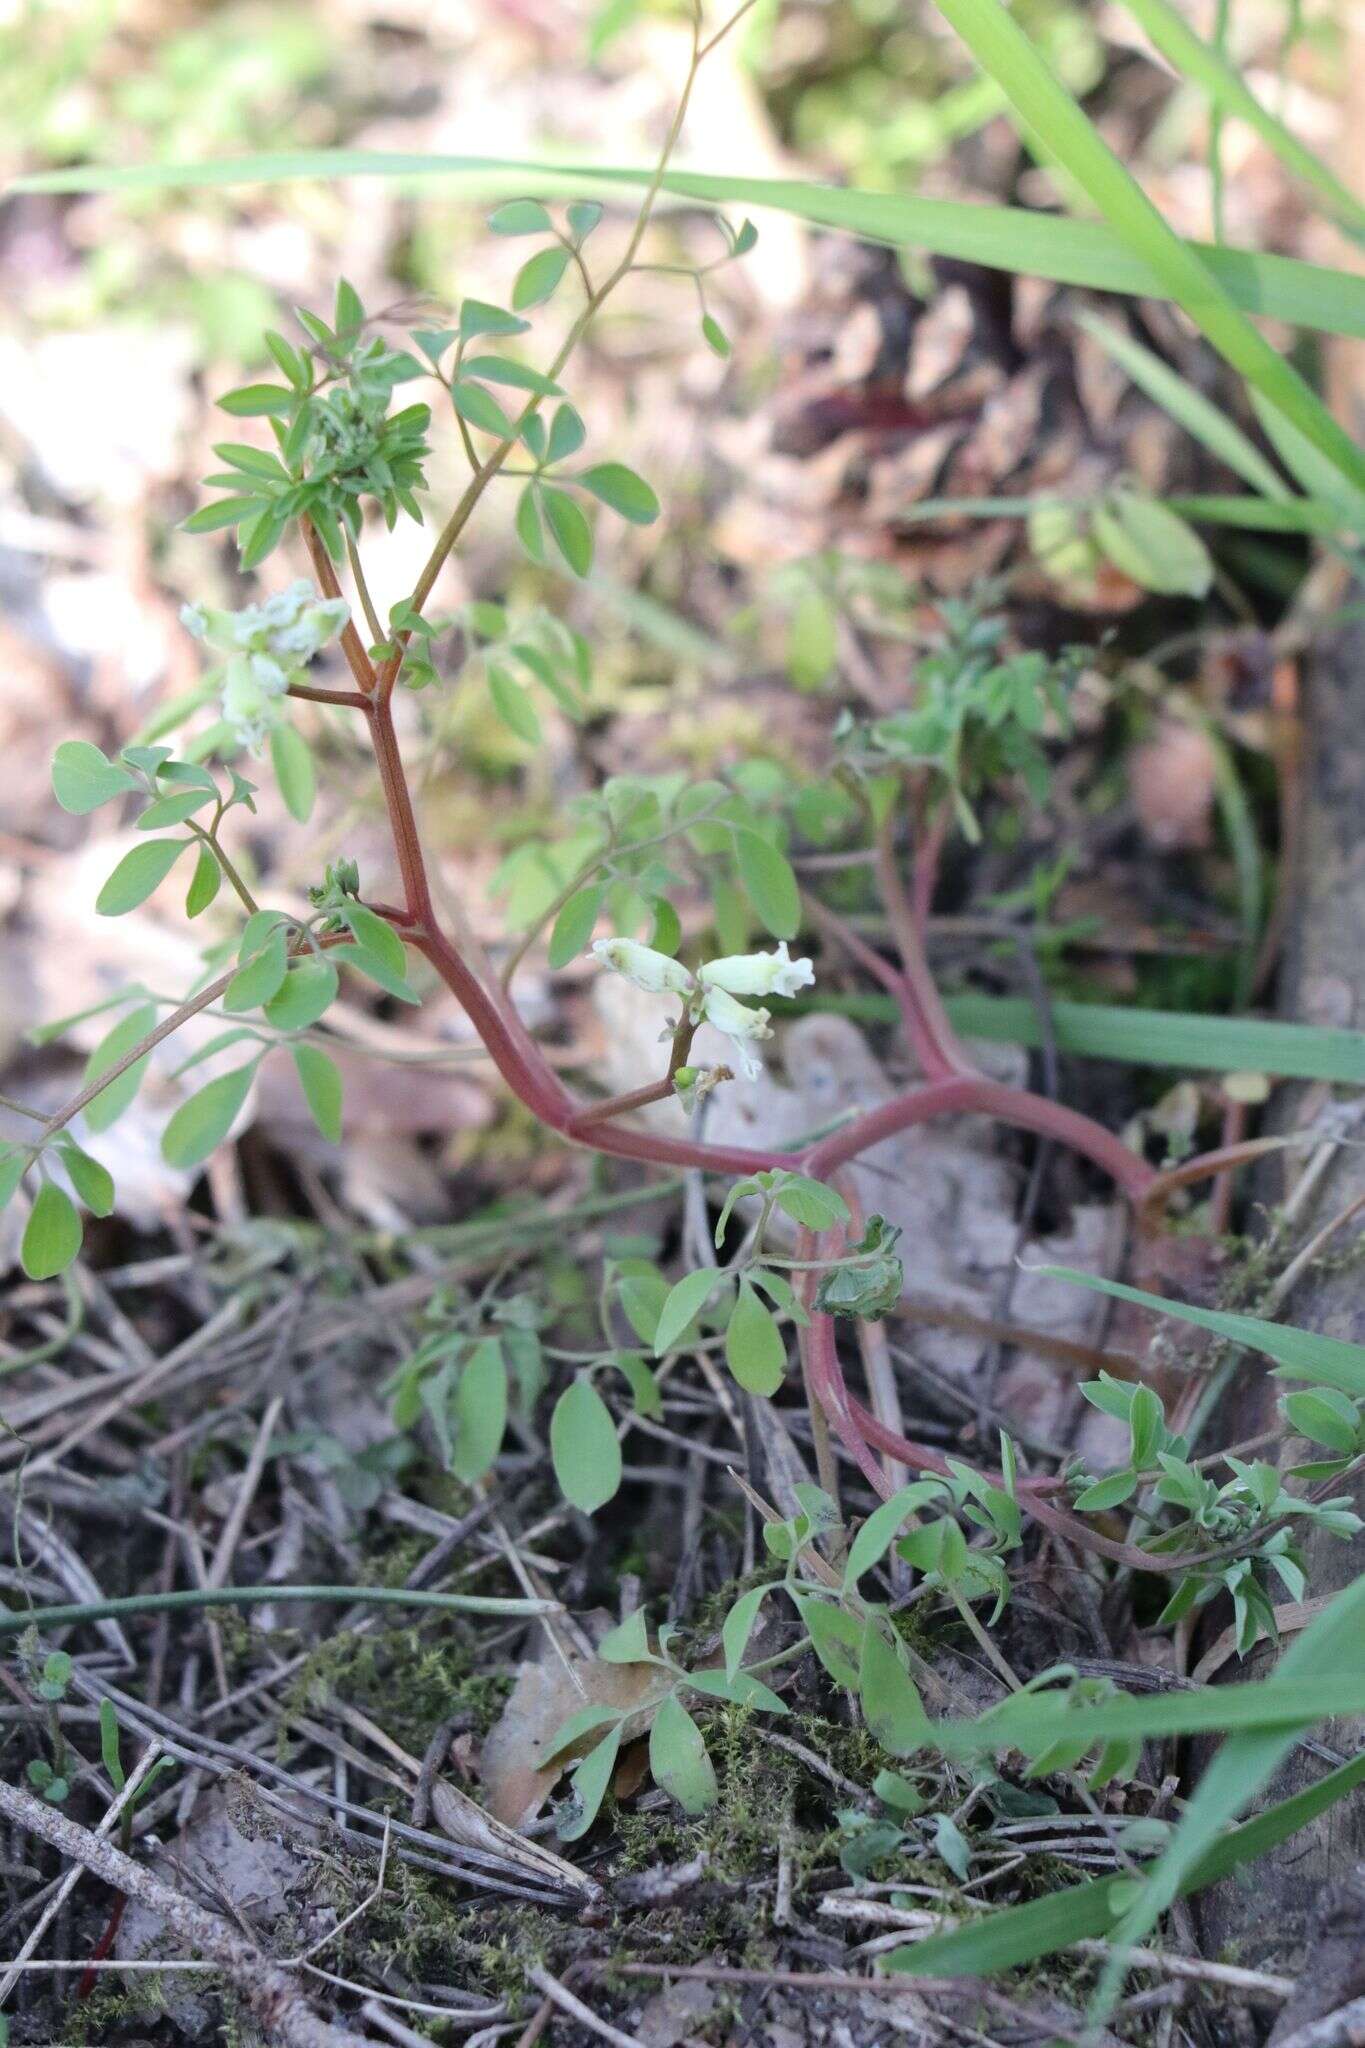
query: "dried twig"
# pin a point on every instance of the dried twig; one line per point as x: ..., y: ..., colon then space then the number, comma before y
x: 560, y: 1995
x: 73, y: 1877
x: 1344, y: 2028
x: 269, y: 1992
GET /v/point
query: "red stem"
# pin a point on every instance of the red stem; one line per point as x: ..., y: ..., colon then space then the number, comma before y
x: 953, y: 1088
x: 951, y: 1092
x: 514, y: 1052
x: 859, y: 1430
x: 90, y: 1977
x: 660, y: 1150
x: 350, y: 700
x: 938, y: 1048
x: 925, y: 863
x: 967, y: 1093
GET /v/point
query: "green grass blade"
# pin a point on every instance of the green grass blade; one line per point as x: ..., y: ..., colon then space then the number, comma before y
x: 1061, y: 132
x: 1031, y: 1722
x: 1332, y: 1645
x: 1079, y: 252
x: 1146, y: 1038
x: 1177, y: 42
x: 1287, y: 515
x: 1298, y: 1354
x: 1306, y: 465
x: 1214, y: 508
x: 1189, y: 408
x: 1021, y: 1934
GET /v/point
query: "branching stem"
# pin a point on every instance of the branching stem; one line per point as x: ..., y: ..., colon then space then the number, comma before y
x: 952, y: 1085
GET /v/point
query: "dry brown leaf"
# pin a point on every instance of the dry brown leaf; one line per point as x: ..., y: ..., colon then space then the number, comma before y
x: 517, y: 1784
x: 465, y: 1821
x: 1173, y: 779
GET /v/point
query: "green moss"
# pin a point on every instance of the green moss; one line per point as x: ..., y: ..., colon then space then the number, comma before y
x: 112, y: 2006
x: 413, y: 1678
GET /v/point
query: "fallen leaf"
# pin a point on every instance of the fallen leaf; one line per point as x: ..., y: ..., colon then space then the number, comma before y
x: 465, y: 1821
x: 546, y: 1693
x: 1172, y: 778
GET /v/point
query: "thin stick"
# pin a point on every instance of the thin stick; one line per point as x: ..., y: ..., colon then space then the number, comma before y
x: 560, y: 1995
x: 74, y: 1875
x: 269, y: 1992
x: 221, y: 1562
x: 246, y: 1493
x: 370, y: 1898
x: 1340, y: 2029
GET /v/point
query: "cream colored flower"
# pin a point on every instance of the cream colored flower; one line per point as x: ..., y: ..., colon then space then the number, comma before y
x: 253, y: 697
x: 267, y: 645
x: 758, y: 974
x: 739, y: 1023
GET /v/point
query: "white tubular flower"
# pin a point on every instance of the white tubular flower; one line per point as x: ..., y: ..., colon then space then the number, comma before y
x: 758, y: 974
x: 292, y: 626
x: 267, y: 645
x: 284, y: 607
x: 314, y: 625
x: 739, y: 1024
x: 272, y: 676
x: 654, y: 972
x: 253, y: 700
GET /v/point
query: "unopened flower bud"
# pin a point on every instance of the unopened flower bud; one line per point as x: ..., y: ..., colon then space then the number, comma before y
x: 654, y: 972
x: 250, y: 708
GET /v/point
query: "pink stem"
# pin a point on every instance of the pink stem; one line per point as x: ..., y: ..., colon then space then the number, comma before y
x: 954, y: 1087
x: 977, y: 1093
x: 514, y: 1052
x: 858, y: 1429
x: 661, y: 1150
x: 920, y: 1037
x: 924, y: 866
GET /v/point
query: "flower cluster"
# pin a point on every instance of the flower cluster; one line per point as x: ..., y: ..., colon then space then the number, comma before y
x: 267, y: 646
x: 710, y: 994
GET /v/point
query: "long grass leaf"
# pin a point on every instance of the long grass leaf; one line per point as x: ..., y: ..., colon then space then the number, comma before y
x: 1306, y: 464
x: 1214, y: 508
x: 1189, y: 408
x: 1079, y: 252
x: 1031, y: 1722
x: 1177, y: 42
x: 1021, y: 1934
x: 1061, y: 132
x: 1148, y: 1038
x: 1298, y: 1354
x: 1332, y: 1646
